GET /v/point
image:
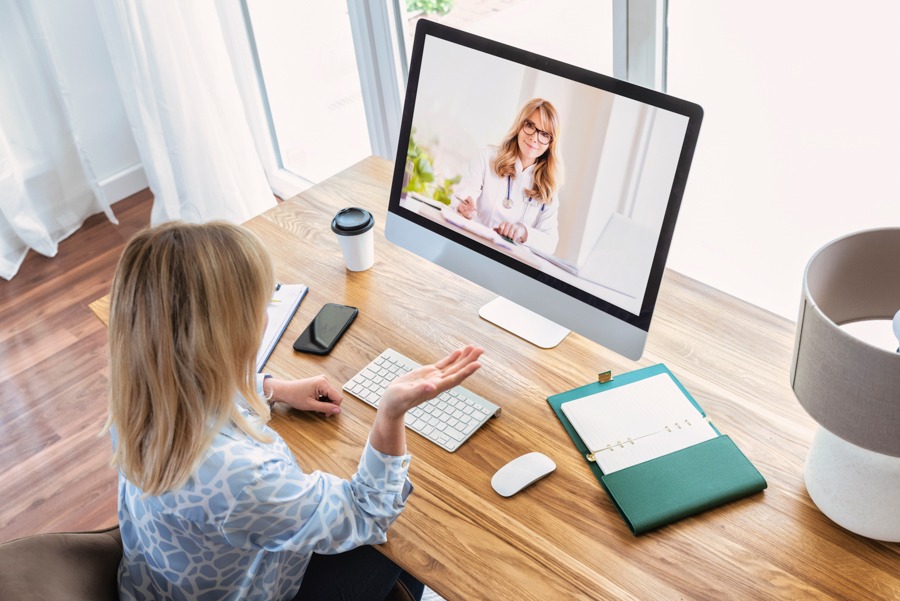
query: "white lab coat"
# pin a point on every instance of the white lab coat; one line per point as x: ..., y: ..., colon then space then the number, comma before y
x: 488, y: 190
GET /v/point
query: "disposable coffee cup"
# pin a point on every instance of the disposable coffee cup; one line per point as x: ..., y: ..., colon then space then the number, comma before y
x: 353, y: 227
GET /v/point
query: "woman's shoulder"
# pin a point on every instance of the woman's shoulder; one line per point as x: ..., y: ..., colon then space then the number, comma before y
x: 489, y: 153
x: 485, y: 155
x: 232, y: 463
x: 484, y: 160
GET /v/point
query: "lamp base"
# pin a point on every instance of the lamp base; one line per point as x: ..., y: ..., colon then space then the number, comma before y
x: 856, y: 488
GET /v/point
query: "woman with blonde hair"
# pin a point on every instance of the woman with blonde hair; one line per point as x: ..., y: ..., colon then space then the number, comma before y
x: 513, y: 188
x: 212, y: 504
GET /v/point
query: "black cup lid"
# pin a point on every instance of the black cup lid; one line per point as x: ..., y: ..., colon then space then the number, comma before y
x: 352, y: 221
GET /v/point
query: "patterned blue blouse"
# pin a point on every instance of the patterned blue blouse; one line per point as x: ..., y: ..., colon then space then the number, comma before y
x: 245, y: 525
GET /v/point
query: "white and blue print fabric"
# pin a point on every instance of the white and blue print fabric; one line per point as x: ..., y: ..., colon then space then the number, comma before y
x: 245, y: 525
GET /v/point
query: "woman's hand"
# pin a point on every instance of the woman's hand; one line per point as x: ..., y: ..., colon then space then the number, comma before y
x: 514, y: 231
x: 414, y: 388
x: 308, y: 394
x: 466, y: 208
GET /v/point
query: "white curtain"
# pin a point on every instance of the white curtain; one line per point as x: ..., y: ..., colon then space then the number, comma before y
x: 47, y: 188
x: 183, y: 103
x: 185, y: 112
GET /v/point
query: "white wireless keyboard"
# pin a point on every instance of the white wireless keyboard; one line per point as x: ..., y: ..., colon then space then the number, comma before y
x: 447, y: 420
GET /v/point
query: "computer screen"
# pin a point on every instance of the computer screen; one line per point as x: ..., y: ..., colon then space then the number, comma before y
x: 553, y: 186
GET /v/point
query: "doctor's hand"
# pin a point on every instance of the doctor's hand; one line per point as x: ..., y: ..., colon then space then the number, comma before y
x: 514, y: 231
x: 466, y: 208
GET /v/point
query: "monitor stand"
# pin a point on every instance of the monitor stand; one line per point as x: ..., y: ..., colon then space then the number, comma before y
x: 526, y: 324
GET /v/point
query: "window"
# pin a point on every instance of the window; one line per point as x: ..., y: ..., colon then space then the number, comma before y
x: 311, y: 81
x: 324, y: 80
x: 797, y: 143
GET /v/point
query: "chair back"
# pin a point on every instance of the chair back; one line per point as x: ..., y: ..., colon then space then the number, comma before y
x: 77, y: 566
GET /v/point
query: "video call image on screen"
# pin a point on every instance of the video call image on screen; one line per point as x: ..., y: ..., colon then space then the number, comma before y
x: 619, y: 157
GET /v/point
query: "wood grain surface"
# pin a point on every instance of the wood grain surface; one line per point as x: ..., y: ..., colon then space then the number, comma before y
x: 562, y: 538
x: 54, y: 461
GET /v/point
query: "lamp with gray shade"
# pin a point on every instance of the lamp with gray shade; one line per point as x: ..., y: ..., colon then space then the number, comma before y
x: 850, y: 387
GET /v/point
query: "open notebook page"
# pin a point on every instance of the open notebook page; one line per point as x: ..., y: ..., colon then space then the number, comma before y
x: 637, y: 422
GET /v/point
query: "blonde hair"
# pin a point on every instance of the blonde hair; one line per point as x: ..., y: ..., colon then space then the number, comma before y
x: 186, y: 317
x: 548, y: 170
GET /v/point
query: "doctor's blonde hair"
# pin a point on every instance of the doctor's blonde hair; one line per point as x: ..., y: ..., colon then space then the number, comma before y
x: 548, y: 170
x: 186, y: 317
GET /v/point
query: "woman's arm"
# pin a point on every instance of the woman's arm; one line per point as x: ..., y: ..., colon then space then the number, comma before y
x: 544, y: 235
x: 469, y: 189
x: 404, y: 393
x: 277, y: 506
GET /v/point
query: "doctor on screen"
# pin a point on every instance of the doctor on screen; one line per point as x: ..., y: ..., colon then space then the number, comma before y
x: 512, y: 188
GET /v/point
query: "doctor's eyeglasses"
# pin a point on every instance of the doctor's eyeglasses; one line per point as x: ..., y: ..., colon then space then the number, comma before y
x: 543, y: 137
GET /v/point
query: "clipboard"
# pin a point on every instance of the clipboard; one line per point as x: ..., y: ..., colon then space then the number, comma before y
x: 285, y: 301
x: 673, y: 486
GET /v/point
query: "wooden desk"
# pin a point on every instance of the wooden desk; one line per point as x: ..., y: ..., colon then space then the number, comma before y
x: 562, y: 538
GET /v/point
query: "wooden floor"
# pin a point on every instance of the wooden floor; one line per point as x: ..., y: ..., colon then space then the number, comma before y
x: 54, y: 460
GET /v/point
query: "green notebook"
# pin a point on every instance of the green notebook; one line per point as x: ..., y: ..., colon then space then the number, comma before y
x: 652, y: 448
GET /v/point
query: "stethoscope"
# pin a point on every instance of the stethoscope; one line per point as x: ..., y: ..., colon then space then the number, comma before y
x: 526, y: 202
x: 507, y: 202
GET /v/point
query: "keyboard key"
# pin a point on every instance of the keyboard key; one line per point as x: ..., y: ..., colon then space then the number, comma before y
x: 454, y: 434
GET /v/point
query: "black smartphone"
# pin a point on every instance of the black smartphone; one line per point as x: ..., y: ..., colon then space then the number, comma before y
x: 326, y: 329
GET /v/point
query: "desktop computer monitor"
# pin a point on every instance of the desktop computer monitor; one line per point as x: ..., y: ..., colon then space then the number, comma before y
x: 553, y: 186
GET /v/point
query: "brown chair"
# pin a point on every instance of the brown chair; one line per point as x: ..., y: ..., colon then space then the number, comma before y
x: 67, y: 566
x: 74, y: 566
x: 400, y: 593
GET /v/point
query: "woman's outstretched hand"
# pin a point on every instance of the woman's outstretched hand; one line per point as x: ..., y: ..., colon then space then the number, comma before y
x: 414, y: 388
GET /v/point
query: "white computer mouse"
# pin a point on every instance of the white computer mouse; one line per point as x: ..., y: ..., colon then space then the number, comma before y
x: 520, y: 472
x: 896, y: 324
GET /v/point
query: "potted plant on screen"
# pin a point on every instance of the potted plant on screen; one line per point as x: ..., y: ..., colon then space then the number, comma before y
x: 419, y: 178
